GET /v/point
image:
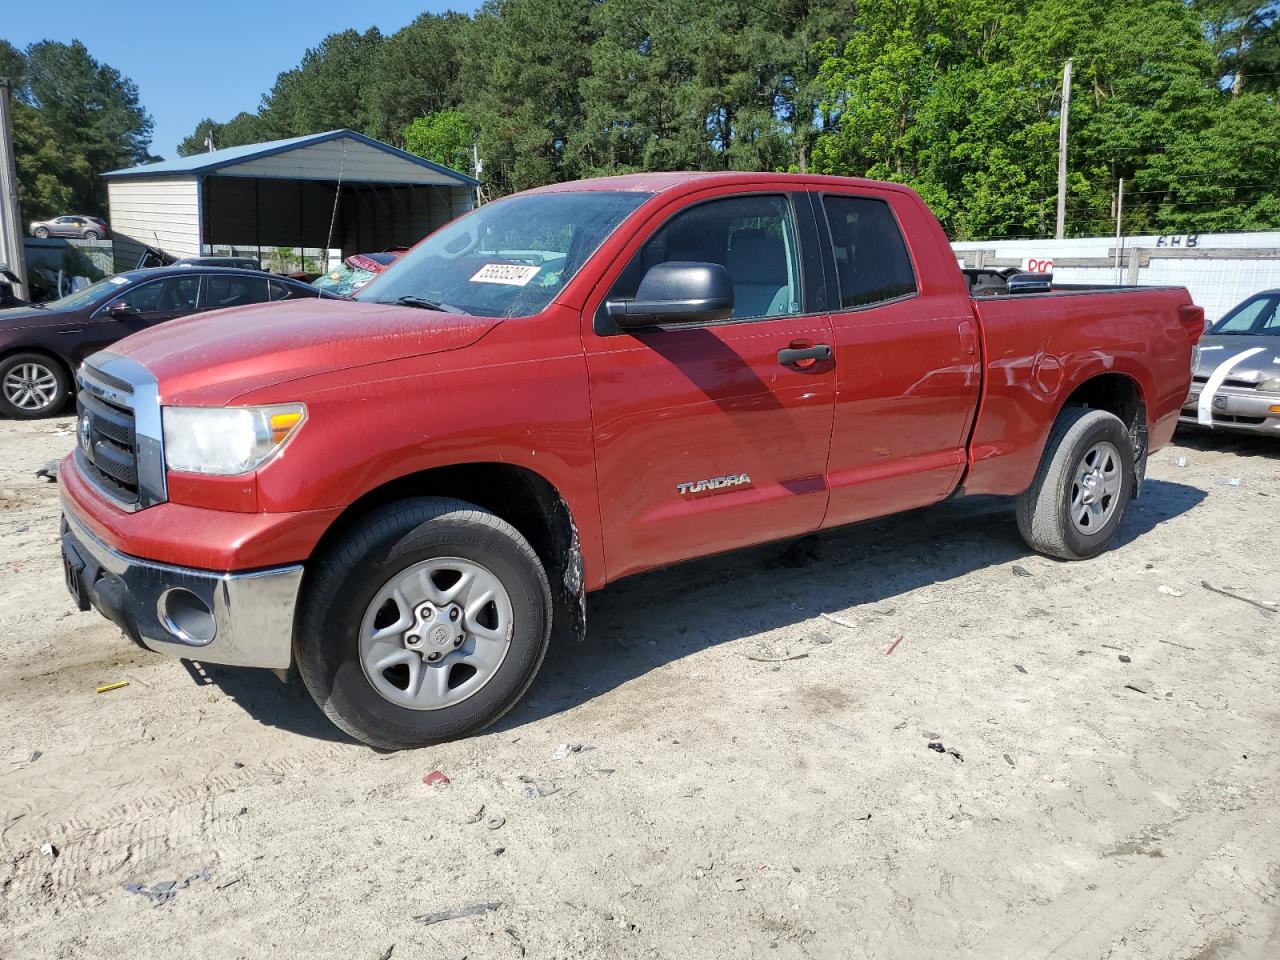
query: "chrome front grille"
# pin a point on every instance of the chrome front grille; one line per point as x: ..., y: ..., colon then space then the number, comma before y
x: 120, y: 443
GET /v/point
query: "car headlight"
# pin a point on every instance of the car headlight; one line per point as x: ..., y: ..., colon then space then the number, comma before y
x: 227, y: 440
x: 1270, y: 386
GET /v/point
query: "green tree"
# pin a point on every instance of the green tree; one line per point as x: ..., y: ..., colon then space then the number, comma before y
x: 415, y: 72
x: 74, y: 119
x: 241, y: 129
x: 323, y: 92
x: 522, y: 65
x: 444, y: 137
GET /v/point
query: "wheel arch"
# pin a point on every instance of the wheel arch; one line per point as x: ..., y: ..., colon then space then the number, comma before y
x: 1121, y: 394
x: 520, y: 496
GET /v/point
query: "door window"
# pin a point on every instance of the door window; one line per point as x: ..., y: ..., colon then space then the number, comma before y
x: 753, y: 238
x: 285, y: 291
x: 170, y: 295
x: 872, y: 263
x: 232, y: 291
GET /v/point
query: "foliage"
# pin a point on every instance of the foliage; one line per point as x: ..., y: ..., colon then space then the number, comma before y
x: 73, y: 118
x: 959, y: 98
x: 444, y: 137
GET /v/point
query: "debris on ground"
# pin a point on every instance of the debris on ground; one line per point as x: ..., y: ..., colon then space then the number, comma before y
x: 515, y: 939
x: 1009, y: 760
x: 937, y: 747
x: 795, y: 656
x: 436, y: 779
x: 1267, y: 606
x: 166, y: 890
x: 1178, y: 461
x: 1169, y: 591
x: 1124, y: 658
x: 1020, y: 668
x: 386, y: 954
x: 563, y: 751
x: 474, y: 910
x: 49, y: 850
x: 543, y: 788
x: 1233, y: 482
x: 475, y: 817
x: 893, y: 646
x: 1182, y: 645
x: 839, y: 621
x: 1139, y: 686
x: 1020, y: 571
x: 495, y: 823
x: 108, y: 687
x: 48, y: 472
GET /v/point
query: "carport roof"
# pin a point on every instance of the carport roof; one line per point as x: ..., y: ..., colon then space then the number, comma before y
x: 218, y: 160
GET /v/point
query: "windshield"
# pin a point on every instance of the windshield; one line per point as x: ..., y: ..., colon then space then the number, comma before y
x: 1255, y: 317
x: 345, y: 280
x: 507, y: 259
x: 88, y: 295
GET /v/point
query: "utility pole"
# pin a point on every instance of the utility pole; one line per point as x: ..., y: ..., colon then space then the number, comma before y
x: 1062, y: 149
x: 11, y: 252
x: 1119, y: 214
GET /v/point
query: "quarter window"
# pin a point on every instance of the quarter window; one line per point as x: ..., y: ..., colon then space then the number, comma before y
x: 232, y: 291
x: 753, y: 238
x: 872, y: 263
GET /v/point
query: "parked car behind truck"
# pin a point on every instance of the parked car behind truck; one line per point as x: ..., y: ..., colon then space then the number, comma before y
x: 77, y: 226
x: 1236, y: 385
x: 403, y: 493
x: 41, y: 344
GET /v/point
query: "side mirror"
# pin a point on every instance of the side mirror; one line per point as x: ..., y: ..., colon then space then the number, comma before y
x: 122, y: 309
x: 677, y: 292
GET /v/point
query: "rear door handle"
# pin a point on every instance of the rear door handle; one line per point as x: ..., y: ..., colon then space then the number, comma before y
x: 803, y: 357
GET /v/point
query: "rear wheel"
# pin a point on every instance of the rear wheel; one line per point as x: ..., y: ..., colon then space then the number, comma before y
x: 425, y: 623
x: 92, y: 235
x: 32, y: 385
x: 1085, y: 481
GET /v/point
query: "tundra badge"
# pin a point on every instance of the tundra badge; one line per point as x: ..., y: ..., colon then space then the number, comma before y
x: 715, y: 483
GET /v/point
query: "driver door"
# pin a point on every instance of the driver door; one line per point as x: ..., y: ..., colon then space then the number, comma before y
x: 154, y: 302
x: 707, y: 435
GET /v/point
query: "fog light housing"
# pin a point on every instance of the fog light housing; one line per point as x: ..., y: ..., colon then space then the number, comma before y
x: 186, y: 616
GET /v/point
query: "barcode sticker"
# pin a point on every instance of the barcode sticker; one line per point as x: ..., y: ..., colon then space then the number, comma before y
x: 511, y: 274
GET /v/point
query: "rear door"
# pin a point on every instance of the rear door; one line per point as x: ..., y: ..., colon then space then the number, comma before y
x: 907, y: 364
x: 220, y: 291
x: 707, y: 436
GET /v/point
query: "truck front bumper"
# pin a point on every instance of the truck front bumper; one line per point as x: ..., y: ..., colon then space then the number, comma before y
x: 242, y: 619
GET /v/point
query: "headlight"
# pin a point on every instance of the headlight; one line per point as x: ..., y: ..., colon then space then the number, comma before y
x: 227, y: 440
x: 1270, y: 386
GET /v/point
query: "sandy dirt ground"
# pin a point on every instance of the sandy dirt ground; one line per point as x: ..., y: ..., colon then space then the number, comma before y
x: 1109, y: 789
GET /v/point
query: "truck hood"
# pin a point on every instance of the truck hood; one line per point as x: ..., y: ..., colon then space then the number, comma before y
x: 212, y: 358
x: 1263, y: 365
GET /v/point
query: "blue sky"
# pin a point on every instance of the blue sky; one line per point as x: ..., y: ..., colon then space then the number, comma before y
x: 207, y: 59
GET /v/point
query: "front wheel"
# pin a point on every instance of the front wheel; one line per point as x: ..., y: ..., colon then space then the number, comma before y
x: 426, y: 622
x: 32, y: 385
x: 1085, y: 481
x: 42, y: 233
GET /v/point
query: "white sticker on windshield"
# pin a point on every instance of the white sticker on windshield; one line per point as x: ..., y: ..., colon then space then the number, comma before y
x: 511, y: 274
x: 119, y: 280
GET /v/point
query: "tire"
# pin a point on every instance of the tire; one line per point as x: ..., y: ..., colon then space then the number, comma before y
x: 92, y: 235
x: 338, y: 616
x: 41, y: 233
x: 32, y: 385
x: 1049, y: 511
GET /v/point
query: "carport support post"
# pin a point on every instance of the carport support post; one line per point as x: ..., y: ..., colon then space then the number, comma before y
x: 11, y: 253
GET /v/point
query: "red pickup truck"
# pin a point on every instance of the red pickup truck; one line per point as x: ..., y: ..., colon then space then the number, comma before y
x: 404, y: 492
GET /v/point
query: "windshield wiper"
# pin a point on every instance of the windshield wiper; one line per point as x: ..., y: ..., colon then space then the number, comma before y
x: 422, y: 303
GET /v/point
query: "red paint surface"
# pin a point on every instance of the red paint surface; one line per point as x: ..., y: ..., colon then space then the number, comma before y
x: 923, y: 394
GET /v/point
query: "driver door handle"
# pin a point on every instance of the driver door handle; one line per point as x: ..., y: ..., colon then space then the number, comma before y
x: 803, y: 356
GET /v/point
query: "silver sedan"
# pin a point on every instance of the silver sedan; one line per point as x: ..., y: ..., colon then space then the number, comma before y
x: 1236, y: 385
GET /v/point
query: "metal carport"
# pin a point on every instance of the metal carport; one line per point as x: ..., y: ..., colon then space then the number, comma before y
x: 337, y: 189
